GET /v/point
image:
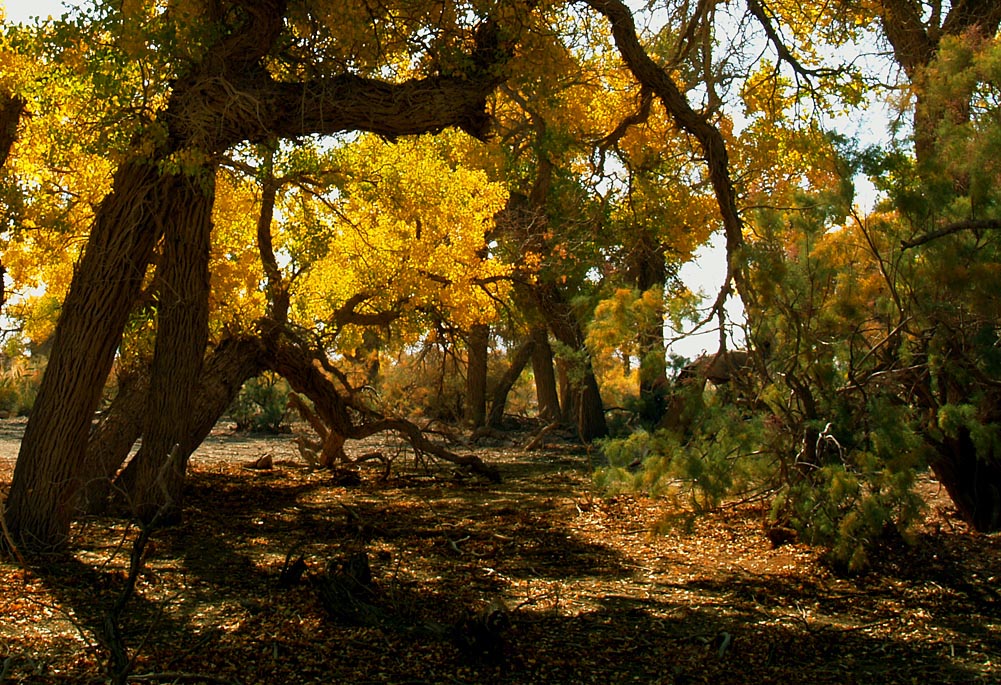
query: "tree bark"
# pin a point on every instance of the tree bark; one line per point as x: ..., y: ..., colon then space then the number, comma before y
x: 105, y: 285
x: 546, y: 391
x: 478, y: 351
x: 229, y: 98
x: 915, y: 41
x: 111, y: 439
x: 11, y: 109
x: 232, y: 363
x: 710, y: 139
x: 152, y: 484
x: 972, y: 480
x: 519, y: 360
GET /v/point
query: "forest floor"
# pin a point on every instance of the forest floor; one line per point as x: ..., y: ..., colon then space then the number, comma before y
x: 591, y: 594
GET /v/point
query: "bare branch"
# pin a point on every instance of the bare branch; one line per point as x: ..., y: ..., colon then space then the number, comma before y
x: 958, y: 227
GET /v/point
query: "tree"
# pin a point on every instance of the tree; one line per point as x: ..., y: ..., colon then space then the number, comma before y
x: 226, y: 94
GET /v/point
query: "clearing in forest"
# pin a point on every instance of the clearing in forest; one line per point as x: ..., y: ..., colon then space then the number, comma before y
x: 533, y: 580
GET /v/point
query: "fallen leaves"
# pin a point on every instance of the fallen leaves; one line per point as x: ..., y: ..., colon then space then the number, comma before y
x: 591, y: 594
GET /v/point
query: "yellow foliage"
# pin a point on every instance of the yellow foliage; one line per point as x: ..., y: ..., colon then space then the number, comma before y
x: 409, y: 228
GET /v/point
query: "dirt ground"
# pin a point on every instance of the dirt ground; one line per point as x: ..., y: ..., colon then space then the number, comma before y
x: 533, y: 580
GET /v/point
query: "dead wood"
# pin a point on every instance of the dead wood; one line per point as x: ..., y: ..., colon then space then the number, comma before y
x: 537, y: 440
x: 265, y: 463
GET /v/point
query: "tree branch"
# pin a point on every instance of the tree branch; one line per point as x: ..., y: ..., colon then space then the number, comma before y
x: 959, y: 226
x: 761, y: 13
x: 653, y: 76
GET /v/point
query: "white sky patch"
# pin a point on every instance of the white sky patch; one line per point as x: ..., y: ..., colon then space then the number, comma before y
x: 25, y: 11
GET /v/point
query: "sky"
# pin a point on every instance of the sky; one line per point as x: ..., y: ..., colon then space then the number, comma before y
x: 21, y: 11
x: 705, y: 273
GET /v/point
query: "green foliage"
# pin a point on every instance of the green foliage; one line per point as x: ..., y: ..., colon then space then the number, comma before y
x: 862, y: 490
x: 717, y: 459
x: 261, y: 405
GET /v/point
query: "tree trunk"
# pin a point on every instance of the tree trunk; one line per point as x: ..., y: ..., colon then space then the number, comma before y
x: 476, y: 375
x: 105, y: 286
x: 229, y: 98
x: 648, y: 271
x: 112, y: 439
x: 546, y: 392
x: 973, y: 481
x: 583, y: 403
x: 152, y: 484
x: 11, y: 109
x: 232, y: 363
x: 518, y: 362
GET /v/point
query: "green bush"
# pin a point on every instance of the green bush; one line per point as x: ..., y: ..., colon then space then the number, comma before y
x: 261, y: 405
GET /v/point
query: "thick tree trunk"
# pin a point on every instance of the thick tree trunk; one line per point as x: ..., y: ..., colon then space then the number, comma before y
x: 973, y: 481
x: 230, y: 97
x: 519, y: 360
x: 112, y: 439
x: 153, y: 485
x: 105, y: 286
x: 546, y: 392
x: 476, y: 375
x: 232, y: 363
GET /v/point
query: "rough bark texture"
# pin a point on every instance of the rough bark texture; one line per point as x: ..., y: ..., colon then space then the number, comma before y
x: 519, y: 360
x: 231, y: 363
x: 476, y: 375
x: 111, y: 439
x: 230, y: 97
x: 105, y: 284
x: 182, y: 335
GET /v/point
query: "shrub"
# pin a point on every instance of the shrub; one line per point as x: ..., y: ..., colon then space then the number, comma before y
x: 261, y: 405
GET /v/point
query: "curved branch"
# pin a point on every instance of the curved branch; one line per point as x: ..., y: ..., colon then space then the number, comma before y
x: 653, y: 76
x: 958, y: 227
x: 761, y: 13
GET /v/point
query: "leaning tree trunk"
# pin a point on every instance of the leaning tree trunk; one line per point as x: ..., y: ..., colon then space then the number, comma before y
x: 232, y: 363
x: 112, y: 438
x: 228, y: 98
x: 476, y: 375
x: 519, y: 360
x: 11, y: 109
x: 155, y: 483
x: 105, y: 286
